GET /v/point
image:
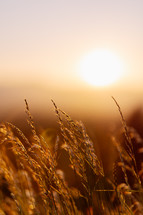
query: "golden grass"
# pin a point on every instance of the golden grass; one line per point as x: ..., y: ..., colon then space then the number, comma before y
x: 31, y: 183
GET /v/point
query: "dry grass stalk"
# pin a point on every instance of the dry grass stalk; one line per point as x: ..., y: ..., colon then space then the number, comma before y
x: 31, y: 184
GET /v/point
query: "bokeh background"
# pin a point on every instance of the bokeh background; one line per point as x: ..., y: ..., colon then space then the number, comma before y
x: 41, y: 43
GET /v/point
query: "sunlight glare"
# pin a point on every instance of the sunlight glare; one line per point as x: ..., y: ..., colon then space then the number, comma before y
x: 101, y: 68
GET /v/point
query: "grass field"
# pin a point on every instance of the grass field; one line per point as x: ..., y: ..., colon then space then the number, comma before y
x: 38, y: 176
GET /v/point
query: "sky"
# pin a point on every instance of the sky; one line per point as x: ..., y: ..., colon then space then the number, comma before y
x: 42, y: 42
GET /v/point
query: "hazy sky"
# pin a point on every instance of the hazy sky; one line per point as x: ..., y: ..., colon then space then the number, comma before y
x: 42, y: 41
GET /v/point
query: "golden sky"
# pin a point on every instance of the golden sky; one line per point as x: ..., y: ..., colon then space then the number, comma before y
x: 42, y: 42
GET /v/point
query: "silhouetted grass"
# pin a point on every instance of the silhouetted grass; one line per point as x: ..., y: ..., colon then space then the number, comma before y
x: 32, y: 183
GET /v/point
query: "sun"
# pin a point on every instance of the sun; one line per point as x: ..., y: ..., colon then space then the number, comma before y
x: 101, y: 68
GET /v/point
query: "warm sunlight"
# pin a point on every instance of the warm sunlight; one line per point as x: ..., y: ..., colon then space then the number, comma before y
x: 101, y: 68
